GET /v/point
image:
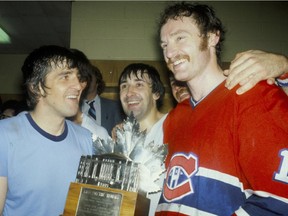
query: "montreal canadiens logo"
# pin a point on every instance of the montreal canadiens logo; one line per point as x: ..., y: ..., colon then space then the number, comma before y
x: 179, y: 176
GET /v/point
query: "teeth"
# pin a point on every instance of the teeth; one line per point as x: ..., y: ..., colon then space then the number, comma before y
x: 133, y: 102
x: 72, y: 97
x: 179, y: 61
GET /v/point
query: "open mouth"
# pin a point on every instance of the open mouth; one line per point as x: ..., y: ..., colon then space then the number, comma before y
x: 179, y: 62
x: 132, y: 104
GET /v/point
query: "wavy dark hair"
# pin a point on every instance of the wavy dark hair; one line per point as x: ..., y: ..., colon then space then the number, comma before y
x: 38, y: 64
x: 204, y: 17
x: 99, y: 79
x: 139, y: 69
x: 88, y: 70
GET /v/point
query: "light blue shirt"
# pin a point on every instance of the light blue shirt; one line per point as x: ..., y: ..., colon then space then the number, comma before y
x: 39, y: 166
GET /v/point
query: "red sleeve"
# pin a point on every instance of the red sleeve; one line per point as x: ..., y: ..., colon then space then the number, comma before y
x: 263, y: 139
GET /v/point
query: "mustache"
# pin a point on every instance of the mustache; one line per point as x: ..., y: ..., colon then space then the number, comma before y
x: 132, y: 98
x: 176, y: 58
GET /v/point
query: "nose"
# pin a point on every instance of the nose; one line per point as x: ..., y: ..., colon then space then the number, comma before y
x: 79, y: 85
x: 170, y: 51
x: 130, y: 91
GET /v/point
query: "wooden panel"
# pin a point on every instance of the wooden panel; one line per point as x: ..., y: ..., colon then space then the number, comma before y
x: 132, y: 203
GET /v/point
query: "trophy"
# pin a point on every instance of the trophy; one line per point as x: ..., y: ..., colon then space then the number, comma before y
x: 114, y: 180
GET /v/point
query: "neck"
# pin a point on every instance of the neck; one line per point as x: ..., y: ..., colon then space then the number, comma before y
x: 148, y: 122
x: 77, y: 119
x: 54, y: 125
x: 206, y: 82
x: 91, y: 96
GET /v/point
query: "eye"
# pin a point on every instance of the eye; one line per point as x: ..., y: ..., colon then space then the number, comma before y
x: 179, y: 38
x: 81, y: 78
x: 163, y: 45
x: 123, y: 86
x: 139, y: 84
x: 65, y: 75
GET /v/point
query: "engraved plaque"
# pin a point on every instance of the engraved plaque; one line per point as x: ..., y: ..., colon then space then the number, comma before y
x: 93, y: 202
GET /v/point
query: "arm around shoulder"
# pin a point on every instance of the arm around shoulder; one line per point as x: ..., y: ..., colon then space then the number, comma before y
x: 250, y: 67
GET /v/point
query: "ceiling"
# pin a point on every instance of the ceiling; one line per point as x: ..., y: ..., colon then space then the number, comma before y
x: 31, y: 24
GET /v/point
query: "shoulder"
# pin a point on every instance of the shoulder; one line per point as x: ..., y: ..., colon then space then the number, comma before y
x: 264, y: 95
x: 16, y: 121
x: 77, y: 129
x: 162, y: 119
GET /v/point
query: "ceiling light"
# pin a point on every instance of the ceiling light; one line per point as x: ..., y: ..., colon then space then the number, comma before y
x: 4, y: 37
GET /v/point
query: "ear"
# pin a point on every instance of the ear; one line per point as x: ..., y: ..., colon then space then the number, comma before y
x: 156, y: 96
x: 37, y: 91
x: 41, y: 90
x: 213, y: 38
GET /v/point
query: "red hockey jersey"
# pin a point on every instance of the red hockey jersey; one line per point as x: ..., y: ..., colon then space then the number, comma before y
x: 228, y: 154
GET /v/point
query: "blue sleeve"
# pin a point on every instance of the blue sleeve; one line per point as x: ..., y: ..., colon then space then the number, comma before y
x: 264, y: 206
x: 3, y: 152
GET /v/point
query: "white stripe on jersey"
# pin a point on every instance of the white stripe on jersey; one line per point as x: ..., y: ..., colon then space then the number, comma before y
x: 241, y: 212
x: 213, y: 174
x: 249, y: 192
x: 173, y: 207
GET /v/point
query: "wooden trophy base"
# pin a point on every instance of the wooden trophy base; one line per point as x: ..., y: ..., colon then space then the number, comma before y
x: 88, y: 200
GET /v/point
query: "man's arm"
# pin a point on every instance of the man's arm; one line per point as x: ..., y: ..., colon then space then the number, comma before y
x: 250, y: 67
x: 3, y: 191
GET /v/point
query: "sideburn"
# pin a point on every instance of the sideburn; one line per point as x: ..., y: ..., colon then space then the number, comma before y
x: 204, y: 43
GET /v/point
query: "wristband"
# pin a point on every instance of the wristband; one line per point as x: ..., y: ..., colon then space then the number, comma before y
x: 282, y: 82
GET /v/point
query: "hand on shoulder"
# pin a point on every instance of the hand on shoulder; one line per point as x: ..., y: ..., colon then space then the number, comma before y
x: 250, y: 67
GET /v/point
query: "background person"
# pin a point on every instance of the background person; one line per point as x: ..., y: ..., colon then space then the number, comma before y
x: 180, y: 90
x: 142, y: 92
x: 108, y: 112
x: 86, y: 121
x: 11, y: 108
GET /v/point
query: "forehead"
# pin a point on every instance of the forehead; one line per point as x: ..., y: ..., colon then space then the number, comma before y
x: 179, y: 25
x: 136, y: 76
x: 59, y: 64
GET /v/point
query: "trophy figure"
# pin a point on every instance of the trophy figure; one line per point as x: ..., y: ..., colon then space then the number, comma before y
x: 114, y: 180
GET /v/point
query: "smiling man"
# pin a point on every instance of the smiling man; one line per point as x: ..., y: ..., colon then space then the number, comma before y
x: 142, y: 92
x: 227, y: 154
x: 40, y: 149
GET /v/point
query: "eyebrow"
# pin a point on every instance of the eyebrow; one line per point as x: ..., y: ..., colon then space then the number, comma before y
x: 66, y: 71
x: 180, y: 31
